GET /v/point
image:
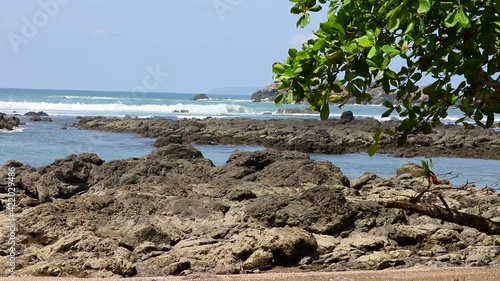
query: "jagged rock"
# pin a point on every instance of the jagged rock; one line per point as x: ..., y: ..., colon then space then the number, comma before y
x: 39, y: 113
x: 178, y: 267
x: 164, y: 141
x: 8, y: 122
x: 200, y: 97
x: 173, y: 212
x: 267, y: 94
x: 346, y: 116
x: 363, y: 180
x: 259, y: 259
x: 307, y: 135
x: 411, y: 168
x: 37, y: 118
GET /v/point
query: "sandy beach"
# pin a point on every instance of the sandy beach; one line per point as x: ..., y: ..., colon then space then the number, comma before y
x: 413, y: 274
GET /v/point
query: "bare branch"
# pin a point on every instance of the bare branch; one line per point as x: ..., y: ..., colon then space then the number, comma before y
x: 484, y: 225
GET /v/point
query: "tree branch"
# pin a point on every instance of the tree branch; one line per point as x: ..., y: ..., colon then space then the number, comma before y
x: 484, y: 225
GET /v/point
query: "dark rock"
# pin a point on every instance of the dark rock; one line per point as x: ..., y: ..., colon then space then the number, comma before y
x: 320, y: 210
x: 259, y: 259
x: 268, y: 94
x: 173, y: 212
x: 177, y: 151
x: 412, y: 169
x: 200, y: 97
x: 37, y: 118
x: 39, y: 113
x: 8, y: 122
x: 311, y: 136
x: 62, y: 179
x: 171, y: 139
x: 363, y: 180
x: 241, y: 195
x: 178, y: 267
x: 390, y: 263
x: 347, y: 116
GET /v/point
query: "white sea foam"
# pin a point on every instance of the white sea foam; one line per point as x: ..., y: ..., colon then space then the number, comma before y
x: 121, y: 108
x: 14, y: 130
x: 86, y: 97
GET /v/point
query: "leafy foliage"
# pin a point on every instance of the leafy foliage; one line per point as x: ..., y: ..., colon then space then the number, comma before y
x: 354, y: 48
x: 426, y: 168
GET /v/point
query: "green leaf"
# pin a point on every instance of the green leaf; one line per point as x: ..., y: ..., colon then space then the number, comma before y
x: 279, y: 99
x: 336, y: 98
x: 365, y: 41
x: 289, y: 97
x: 410, y: 27
x: 423, y: 6
x: 278, y: 68
x: 377, y: 134
x: 386, y: 62
x: 426, y: 128
x: 462, y: 18
x: 390, y: 50
x: 303, y: 20
x: 372, y: 149
x: 391, y: 74
x: 478, y: 116
x: 388, y: 104
x: 320, y: 43
x: 394, y: 22
x: 387, y: 113
x: 315, y: 8
x: 325, y: 111
x: 372, y: 52
x: 332, y: 27
x: 451, y: 19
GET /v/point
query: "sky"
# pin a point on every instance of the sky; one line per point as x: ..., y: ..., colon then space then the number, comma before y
x: 187, y: 46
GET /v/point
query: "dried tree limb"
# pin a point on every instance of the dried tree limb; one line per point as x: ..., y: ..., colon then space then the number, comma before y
x: 484, y: 225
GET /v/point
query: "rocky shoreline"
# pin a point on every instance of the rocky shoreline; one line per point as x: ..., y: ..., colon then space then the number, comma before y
x: 173, y: 212
x: 308, y: 135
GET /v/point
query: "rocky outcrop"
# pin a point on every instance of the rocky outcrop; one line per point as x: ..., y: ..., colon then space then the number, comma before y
x: 37, y: 118
x: 267, y: 94
x: 306, y: 135
x: 347, y: 116
x: 39, y: 113
x: 173, y: 213
x: 8, y: 122
x: 200, y: 97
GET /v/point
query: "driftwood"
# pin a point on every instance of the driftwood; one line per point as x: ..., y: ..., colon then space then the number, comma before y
x: 484, y: 225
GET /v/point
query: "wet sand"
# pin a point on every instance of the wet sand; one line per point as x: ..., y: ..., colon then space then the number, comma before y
x: 413, y: 274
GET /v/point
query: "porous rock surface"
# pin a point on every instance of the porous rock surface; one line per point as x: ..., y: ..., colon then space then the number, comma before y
x: 174, y: 212
x: 309, y: 135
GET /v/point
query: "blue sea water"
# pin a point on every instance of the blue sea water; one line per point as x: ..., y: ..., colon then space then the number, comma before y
x: 40, y: 144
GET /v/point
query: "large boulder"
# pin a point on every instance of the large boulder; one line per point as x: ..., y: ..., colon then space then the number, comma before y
x: 8, y: 122
x: 267, y: 94
x: 200, y: 97
x: 37, y: 118
x: 39, y: 113
x: 320, y: 210
x: 62, y: 179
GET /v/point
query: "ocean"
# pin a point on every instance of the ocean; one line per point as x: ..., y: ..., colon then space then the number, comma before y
x: 39, y: 144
